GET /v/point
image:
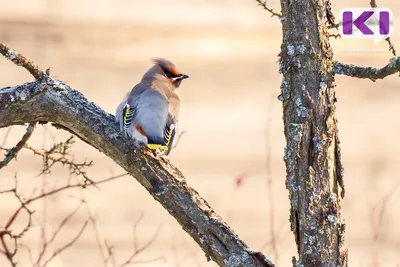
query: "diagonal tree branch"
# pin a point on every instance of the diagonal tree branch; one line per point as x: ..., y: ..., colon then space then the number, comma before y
x: 12, y: 153
x: 368, y: 72
x: 51, y: 100
x: 20, y: 60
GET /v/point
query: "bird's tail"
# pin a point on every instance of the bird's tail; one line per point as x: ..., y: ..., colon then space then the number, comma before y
x: 156, y: 143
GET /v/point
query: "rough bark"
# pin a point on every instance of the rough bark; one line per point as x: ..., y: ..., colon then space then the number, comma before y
x: 50, y: 100
x: 312, y: 153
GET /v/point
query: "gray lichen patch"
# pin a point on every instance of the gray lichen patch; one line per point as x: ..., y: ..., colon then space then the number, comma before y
x: 298, y: 263
x: 163, y: 191
x: 236, y: 259
x: 319, y: 143
x: 285, y: 95
x: 394, y: 61
x: 301, y: 48
x: 11, y: 54
x: 22, y: 95
x: 143, y: 168
x: 332, y: 219
x: 58, y: 85
x: 337, y: 69
x: 290, y: 50
x: 301, y: 110
x: 291, y: 156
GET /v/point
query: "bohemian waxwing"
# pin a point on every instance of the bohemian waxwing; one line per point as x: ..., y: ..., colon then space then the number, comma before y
x: 149, y: 113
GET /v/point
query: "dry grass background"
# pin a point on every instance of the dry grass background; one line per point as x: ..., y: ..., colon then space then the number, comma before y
x: 229, y: 49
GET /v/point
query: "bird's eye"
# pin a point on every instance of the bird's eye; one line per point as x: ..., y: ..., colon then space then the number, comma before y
x: 168, y: 74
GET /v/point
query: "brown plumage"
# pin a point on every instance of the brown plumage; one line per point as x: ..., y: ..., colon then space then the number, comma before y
x: 149, y: 113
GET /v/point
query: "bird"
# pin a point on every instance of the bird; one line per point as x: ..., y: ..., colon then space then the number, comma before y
x: 149, y: 112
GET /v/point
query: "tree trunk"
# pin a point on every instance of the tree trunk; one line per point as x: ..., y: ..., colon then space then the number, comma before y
x: 312, y: 153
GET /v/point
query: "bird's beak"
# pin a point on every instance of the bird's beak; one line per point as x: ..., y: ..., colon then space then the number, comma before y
x: 180, y: 77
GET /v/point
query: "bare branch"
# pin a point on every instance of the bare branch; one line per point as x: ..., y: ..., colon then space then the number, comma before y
x: 6, y: 232
x: 137, y: 250
x: 20, y: 60
x: 368, y: 72
x: 391, y: 47
x: 59, y: 153
x: 178, y: 140
x: 270, y: 10
x: 373, y: 3
x: 330, y: 17
x: 334, y: 26
x: 51, y: 100
x: 69, y: 244
x: 105, y: 251
x: 24, y: 206
x: 335, y: 35
x: 12, y: 153
x: 56, y: 232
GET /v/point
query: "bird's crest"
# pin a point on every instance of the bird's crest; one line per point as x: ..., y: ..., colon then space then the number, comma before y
x: 167, y: 66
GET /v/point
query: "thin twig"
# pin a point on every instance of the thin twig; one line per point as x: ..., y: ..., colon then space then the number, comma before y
x: 56, y: 232
x: 12, y: 153
x: 273, y: 234
x: 377, y: 214
x: 330, y: 17
x: 24, y: 206
x: 43, y: 237
x: 20, y: 60
x: 6, y: 232
x: 69, y: 244
x: 333, y: 26
x: 29, y: 253
x: 270, y: 10
x: 391, y: 47
x: 178, y: 139
x: 367, y: 72
x: 59, y: 153
x: 336, y: 35
x: 104, y: 250
x: 137, y: 250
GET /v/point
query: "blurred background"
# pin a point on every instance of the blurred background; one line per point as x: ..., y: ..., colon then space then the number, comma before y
x: 232, y: 151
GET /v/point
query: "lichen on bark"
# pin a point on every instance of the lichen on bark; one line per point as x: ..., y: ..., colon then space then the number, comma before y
x: 312, y: 153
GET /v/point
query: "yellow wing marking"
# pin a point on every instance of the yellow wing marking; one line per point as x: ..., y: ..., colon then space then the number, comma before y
x: 127, y: 113
x: 168, y: 137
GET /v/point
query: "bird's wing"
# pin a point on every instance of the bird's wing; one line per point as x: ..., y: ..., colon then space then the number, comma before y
x: 153, y: 113
x: 171, y: 127
x: 125, y: 112
x: 165, y: 111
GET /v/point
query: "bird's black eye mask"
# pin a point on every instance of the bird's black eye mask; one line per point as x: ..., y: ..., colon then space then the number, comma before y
x: 175, y: 77
x: 169, y: 74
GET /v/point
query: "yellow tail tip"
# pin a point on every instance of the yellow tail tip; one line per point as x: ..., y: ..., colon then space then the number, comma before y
x: 157, y: 146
